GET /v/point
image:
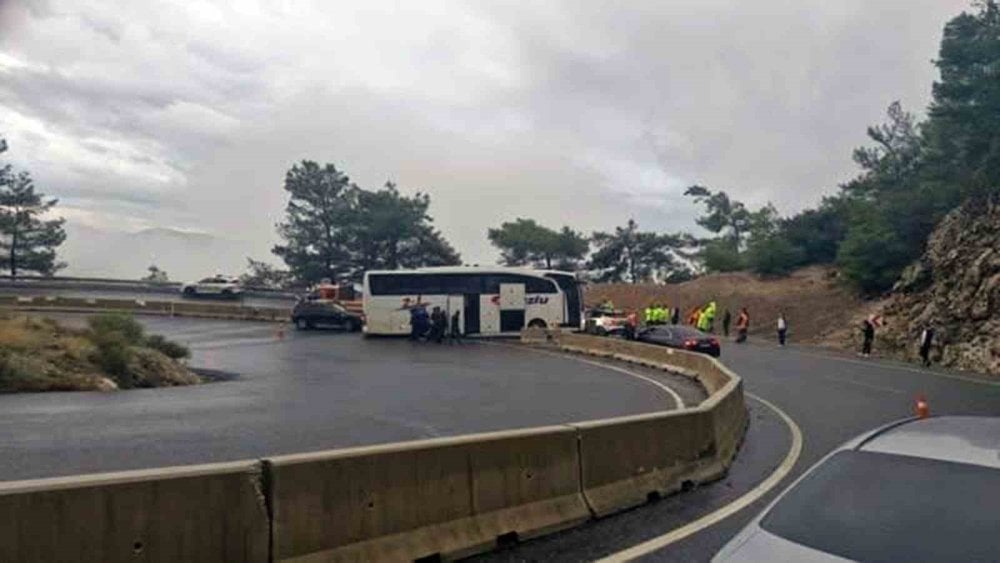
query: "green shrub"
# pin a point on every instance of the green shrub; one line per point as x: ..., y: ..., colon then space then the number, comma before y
x: 113, y: 354
x: 107, y: 323
x: 774, y: 256
x: 169, y: 348
x: 720, y: 256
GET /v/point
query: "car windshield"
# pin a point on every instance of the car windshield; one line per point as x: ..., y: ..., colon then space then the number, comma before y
x: 880, y: 507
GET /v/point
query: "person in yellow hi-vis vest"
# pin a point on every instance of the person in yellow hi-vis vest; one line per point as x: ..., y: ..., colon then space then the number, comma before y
x: 706, y: 320
x: 658, y: 314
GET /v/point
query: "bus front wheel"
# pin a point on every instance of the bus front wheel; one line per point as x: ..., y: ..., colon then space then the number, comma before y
x: 537, y: 323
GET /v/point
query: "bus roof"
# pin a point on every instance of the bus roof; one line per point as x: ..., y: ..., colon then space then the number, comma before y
x: 473, y: 270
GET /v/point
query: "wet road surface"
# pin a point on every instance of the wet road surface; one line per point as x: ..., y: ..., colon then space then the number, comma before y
x: 307, y: 391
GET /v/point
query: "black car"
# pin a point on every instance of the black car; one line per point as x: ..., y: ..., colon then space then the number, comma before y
x: 683, y: 337
x: 311, y: 313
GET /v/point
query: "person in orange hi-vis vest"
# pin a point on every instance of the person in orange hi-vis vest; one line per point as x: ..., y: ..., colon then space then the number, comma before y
x: 742, y: 325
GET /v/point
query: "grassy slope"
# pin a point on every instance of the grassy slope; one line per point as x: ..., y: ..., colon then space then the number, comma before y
x: 40, y: 355
x: 812, y: 300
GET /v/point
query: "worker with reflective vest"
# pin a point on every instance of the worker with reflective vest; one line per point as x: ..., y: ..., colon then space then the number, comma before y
x: 662, y: 314
x: 649, y: 314
x: 693, y: 316
x: 706, y: 320
x: 742, y: 325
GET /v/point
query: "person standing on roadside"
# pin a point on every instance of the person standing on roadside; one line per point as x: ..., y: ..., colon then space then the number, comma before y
x: 782, y: 328
x: 742, y: 326
x: 868, y: 335
x: 926, y: 340
x: 727, y: 319
x: 439, y: 324
x: 416, y: 321
x: 675, y: 316
x: 706, y: 320
x: 456, y: 328
x: 631, y: 325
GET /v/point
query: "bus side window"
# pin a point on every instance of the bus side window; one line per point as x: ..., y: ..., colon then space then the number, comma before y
x: 536, y: 285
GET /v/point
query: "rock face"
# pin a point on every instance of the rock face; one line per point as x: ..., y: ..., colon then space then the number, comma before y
x: 954, y: 287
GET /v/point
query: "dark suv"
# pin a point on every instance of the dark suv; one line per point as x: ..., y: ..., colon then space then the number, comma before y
x: 312, y: 313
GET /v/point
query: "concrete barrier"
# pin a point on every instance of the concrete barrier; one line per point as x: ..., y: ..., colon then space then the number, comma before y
x: 448, y: 497
x: 199, y: 513
x: 626, y: 461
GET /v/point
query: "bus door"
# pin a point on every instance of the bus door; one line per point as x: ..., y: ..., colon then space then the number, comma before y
x: 471, y: 313
x: 512, y: 305
x: 489, y: 314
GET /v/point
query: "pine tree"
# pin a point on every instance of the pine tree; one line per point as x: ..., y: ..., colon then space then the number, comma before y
x: 29, y: 242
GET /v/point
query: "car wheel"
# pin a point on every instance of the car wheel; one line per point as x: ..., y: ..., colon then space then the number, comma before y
x: 537, y: 323
x: 227, y: 293
x: 302, y: 324
x: 353, y: 325
x: 189, y: 291
x: 601, y: 331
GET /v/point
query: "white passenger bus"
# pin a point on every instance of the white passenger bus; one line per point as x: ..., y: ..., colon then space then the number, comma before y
x: 489, y: 300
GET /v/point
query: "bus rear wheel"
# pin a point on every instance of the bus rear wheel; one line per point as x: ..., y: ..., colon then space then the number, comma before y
x: 537, y: 323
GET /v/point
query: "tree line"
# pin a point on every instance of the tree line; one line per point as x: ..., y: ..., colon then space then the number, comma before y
x: 911, y: 174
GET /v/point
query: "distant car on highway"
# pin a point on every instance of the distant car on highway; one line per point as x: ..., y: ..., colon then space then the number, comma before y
x: 603, y: 322
x: 311, y: 313
x: 682, y: 337
x: 224, y: 286
x: 915, y: 490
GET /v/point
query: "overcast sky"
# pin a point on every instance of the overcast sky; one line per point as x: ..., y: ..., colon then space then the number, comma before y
x: 186, y: 114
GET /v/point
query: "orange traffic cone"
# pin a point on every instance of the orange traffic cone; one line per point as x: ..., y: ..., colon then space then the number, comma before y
x: 922, y: 409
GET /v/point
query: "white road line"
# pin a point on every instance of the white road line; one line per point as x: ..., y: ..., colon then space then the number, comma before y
x: 728, y: 510
x: 859, y: 384
x: 673, y: 394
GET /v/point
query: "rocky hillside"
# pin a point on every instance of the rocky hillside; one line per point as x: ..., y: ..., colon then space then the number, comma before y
x: 812, y: 299
x: 954, y: 287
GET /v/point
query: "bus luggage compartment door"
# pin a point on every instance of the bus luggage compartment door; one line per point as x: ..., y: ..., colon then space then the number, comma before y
x: 511, y: 307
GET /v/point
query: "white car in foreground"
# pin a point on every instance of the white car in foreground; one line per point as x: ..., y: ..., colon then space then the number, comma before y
x: 217, y: 285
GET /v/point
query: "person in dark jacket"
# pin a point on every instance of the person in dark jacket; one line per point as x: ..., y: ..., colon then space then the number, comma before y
x: 417, y: 321
x: 926, y: 340
x: 727, y: 319
x: 456, y: 328
x: 439, y: 324
x: 676, y: 316
x: 868, y: 335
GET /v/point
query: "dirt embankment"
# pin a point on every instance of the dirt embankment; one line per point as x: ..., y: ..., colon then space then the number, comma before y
x: 37, y: 354
x: 813, y: 301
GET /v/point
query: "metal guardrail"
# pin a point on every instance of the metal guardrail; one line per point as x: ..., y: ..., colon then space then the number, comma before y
x: 144, y: 286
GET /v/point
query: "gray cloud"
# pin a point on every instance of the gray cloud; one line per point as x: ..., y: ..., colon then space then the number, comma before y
x: 579, y: 113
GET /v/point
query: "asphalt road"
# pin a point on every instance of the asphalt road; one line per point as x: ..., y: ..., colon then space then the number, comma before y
x: 151, y: 295
x: 307, y: 391
x: 831, y: 397
x: 321, y: 390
